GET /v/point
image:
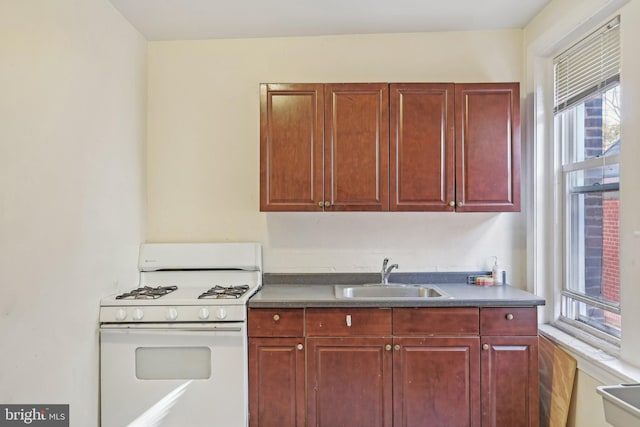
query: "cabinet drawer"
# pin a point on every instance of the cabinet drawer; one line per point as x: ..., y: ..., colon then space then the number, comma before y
x: 342, y: 322
x: 288, y: 322
x: 436, y: 321
x: 509, y: 321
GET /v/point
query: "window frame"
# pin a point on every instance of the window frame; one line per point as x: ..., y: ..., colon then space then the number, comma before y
x: 559, y: 203
x: 558, y: 26
x: 566, y: 133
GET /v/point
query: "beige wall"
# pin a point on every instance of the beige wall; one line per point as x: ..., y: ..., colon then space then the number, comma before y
x: 203, y: 150
x: 586, y: 405
x: 72, y: 115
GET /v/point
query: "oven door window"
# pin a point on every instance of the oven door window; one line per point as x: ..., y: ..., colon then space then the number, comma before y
x: 173, y: 363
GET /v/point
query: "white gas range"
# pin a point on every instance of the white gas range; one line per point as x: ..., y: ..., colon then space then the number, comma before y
x: 174, y: 348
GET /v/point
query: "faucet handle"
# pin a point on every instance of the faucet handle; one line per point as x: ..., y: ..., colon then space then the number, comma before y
x: 384, y: 263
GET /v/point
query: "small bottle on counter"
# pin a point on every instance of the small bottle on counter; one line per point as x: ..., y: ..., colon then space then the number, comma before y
x: 498, y: 273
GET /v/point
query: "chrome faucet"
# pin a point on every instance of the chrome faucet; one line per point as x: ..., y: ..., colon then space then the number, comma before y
x: 386, y: 271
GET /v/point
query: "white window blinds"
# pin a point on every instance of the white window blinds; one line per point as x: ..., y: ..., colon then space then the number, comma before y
x: 588, y: 67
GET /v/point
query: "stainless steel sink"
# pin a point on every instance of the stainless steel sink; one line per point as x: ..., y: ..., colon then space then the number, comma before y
x: 380, y: 291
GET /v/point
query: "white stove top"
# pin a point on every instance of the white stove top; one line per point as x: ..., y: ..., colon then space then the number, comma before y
x: 183, y: 304
x: 190, y: 285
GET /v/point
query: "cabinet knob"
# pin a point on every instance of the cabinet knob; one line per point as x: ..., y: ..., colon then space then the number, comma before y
x: 321, y: 204
x: 299, y: 346
x: 327, y: 204
x: 387, y: 347
x: 452, y: 203
x: 348, y: 320
x: 396, y: 347
x: 509, y: 316
x: 276, y: 317
x: 485, y: 346
x: 459, y: 204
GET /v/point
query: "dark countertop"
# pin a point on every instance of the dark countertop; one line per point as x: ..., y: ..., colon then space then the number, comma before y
x: 317, y: 290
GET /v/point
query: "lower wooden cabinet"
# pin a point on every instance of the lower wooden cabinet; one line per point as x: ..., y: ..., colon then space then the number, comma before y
x: 509, y: 365
x: 436, y: 379
x: 369, y: 367
x: 510, y: 381
x: 276, y: 369
x: 349, y: 382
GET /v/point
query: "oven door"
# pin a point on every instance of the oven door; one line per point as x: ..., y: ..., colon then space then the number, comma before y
x: 162, y: 375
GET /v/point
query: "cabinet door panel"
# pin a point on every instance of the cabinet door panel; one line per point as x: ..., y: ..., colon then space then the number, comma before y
x: 487, y: 147
x: 276, y: 382
x: 421, y: 147
x: 357, y: 146
x: 349, y: 382
x: 291, y: 147
x: 436, y: 382
x: 509, y: 381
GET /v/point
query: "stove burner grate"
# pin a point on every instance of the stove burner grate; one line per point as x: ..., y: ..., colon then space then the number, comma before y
x: 225, y: 292
x: 147, y: 292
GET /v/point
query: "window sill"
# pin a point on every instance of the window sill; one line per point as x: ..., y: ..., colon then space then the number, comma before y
x: 602, y: 366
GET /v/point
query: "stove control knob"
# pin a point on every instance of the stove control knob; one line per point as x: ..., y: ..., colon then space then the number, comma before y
x: 138, y: 314
x: 203, y: 313
x: 121, y: 314
x: 221, y: 314
x: 171, y: 314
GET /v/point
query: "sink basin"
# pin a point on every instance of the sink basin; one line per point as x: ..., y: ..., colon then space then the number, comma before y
x: 621, y: 404
x: 380, y: 291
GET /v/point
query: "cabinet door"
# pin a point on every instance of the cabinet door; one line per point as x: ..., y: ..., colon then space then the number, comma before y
x: 349, y: 382
x: 509, y: 381
x: 422, y: 157
x: 487, y: 147
x: 356, y: 147
x: 436, y: 382
x: 291, y: 147
x: 276, y: 382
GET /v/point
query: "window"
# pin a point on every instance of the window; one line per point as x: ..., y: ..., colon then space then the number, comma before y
x: 587, y: 136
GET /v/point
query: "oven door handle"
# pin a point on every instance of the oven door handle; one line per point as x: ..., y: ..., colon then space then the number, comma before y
x: 166, y: 328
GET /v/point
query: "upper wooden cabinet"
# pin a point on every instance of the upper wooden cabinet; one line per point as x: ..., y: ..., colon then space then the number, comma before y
x: 291, y: 146
x: 399, y: 147
x: 487, y: 147
x: 324, y: 147
x: 422, y: 147
x: 356, y: 147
